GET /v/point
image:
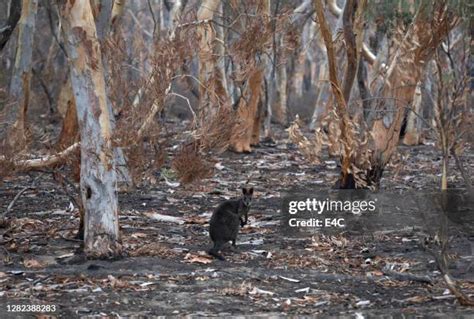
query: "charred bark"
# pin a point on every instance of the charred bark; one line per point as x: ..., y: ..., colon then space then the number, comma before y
x: 340, y: 101
x: 247, y: 112
x: 250, y: 109
x: 21, y: 78
x: 351, y: 68
x: 397, y: 87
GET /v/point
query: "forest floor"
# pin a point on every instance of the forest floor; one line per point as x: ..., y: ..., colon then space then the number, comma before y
x: 166, y: 270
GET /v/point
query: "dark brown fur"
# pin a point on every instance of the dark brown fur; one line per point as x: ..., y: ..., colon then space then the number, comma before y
x: 226, y: 219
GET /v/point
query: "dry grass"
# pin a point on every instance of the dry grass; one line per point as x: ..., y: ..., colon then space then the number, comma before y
x: 190, y: 165
x: 215, y: 134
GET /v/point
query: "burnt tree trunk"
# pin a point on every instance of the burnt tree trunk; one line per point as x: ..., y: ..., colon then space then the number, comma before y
x: 398, y: 86
x: 341, y: 96
x: 250, y: 108
x: 98, y: 177
x: 247, y: 132
x: 21, y: 77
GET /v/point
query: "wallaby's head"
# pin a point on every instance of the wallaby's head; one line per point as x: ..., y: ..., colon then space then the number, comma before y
x: 247, y: 194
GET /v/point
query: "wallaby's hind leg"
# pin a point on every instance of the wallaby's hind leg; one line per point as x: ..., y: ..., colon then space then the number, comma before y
x: 214, y: 251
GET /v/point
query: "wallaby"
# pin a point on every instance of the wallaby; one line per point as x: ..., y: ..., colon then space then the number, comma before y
x: 225, y: 221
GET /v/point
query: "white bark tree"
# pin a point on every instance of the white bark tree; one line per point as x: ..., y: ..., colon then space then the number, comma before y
x: 98, y: 176
x: 208, y: 64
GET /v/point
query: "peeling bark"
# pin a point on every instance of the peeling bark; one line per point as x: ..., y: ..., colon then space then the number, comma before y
x: 280, y: 111
x: 98, y: 177
x: 210, y: 74
x: 247, y: 113
x: 346, y: 181
x: 70, y: 129
x: 250, y: 108
x: 304, y: 57
x: 404, y: 72
x: 269, y: 100
x: 69, y: 133
x: 103, y: 28
x: 21, y: 77
x: 351, y: 50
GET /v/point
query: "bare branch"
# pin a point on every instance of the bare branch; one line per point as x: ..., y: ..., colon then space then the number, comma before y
x: 366, y: 52
x: 187, y: 101
x: 24, y: 189
x: 326, y: 33
x: 152, y: 16
x: 47, y: 160
x: 333, y: 7
x: 150, y: 116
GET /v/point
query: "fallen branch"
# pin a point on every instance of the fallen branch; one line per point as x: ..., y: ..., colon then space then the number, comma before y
x: 441, y: 263
x: 47, y: 160
x: 460, y: 296
x: 24, y: 189
x: 10, y: 206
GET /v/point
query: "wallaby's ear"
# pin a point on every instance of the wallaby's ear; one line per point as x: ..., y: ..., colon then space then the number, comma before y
x: 250, y: 191
x: 244, y: 191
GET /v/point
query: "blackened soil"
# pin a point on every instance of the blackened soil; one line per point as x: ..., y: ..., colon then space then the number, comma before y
x: 165, y: 270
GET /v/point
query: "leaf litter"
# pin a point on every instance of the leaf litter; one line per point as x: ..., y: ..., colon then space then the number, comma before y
x: 166, y: 269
